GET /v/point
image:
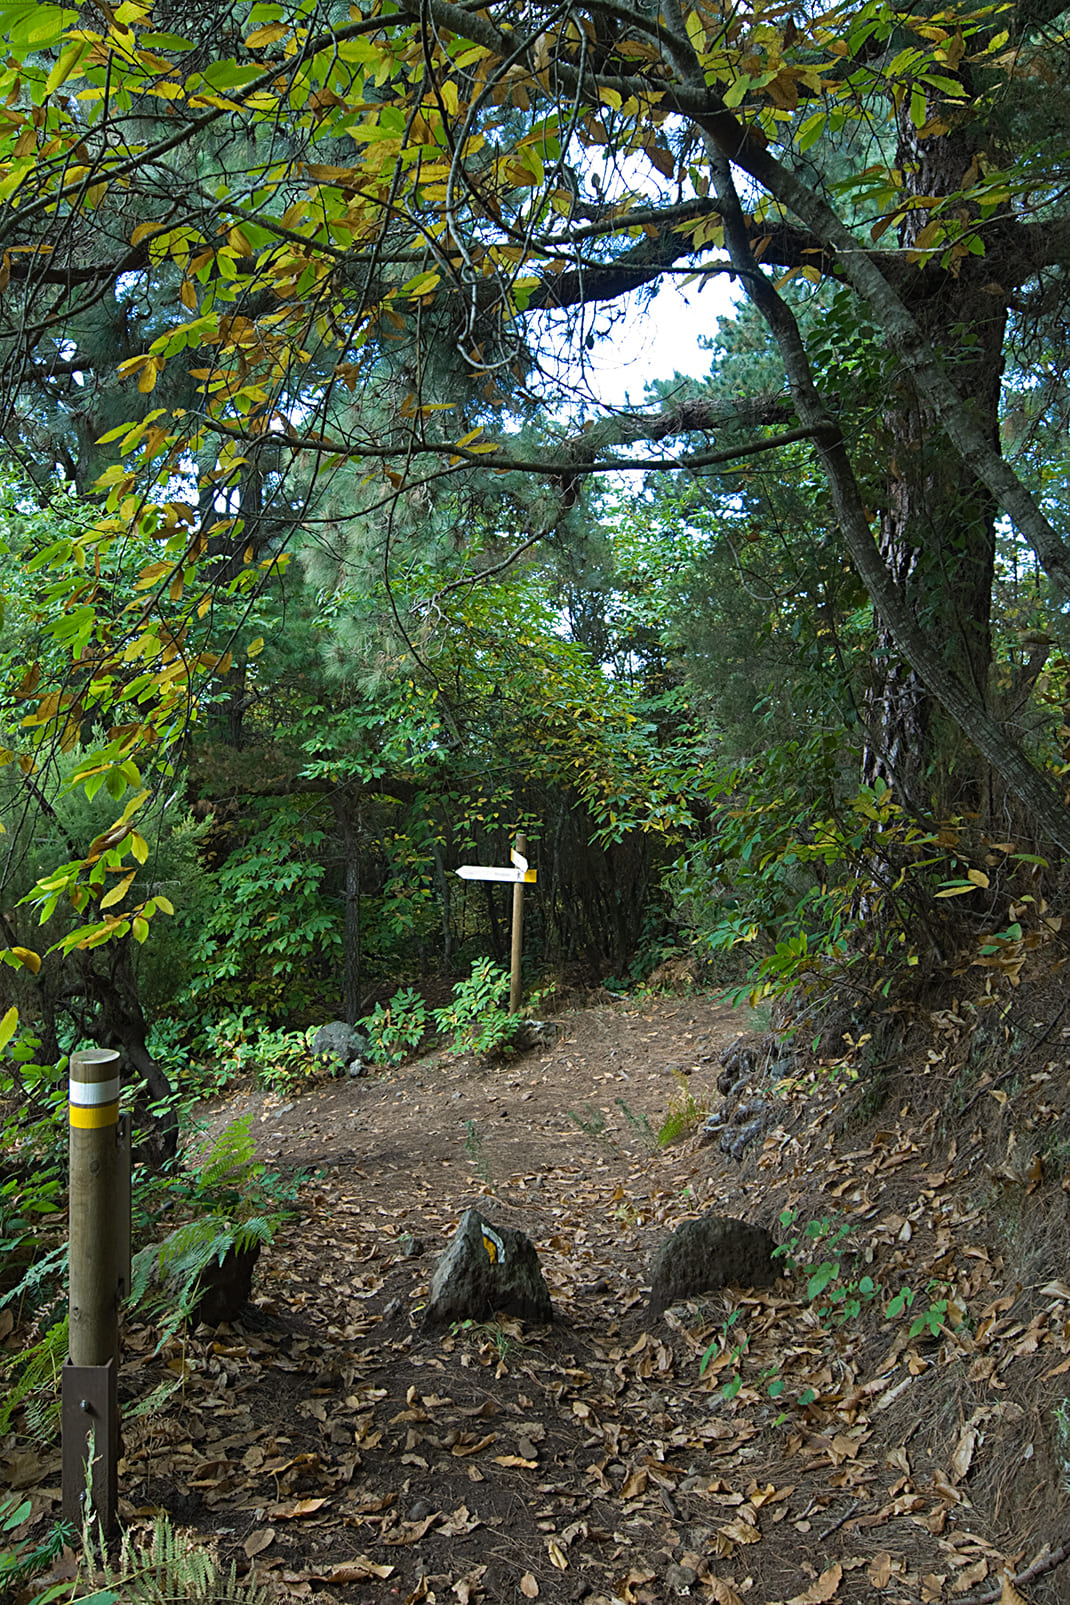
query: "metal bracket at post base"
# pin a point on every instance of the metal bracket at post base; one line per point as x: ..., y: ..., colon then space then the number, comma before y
x: 90, y: 1437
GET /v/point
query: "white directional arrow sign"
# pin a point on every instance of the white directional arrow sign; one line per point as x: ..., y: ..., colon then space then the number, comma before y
x: 492, y: 872
x: 518, y: 874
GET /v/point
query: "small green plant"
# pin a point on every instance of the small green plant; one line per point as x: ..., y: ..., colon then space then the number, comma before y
x: 167, y: 1278
x: 640, y: 1128
x: 813, y: 1252
x: 238, y: 1043
x: 719, y: 1344
x: 1061, y: 1415
x: 685, y: 1112
x: 283, y: 1059
x: 477, y: 1154
x: 395, y: 1029
x: 476, y: 1019
x: 33, y: 1377
x: 161, y: 1569
x: 835, y: 1299
x: 503, y: 1338
x: 938, y: 1313
x: 592, y: 1124
x: 23, y: 1561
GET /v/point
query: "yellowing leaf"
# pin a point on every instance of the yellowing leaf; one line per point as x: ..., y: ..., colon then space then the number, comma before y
x: 118, y: 892
x: 256, y: 646
x: 29, y: 959
x: 266, y: 36
x: 557, y: 1555
x: 150, y: 574
x: 8, y: 1026
x: 139, y: 847
x: 978, y: 877
x: 164, y: 902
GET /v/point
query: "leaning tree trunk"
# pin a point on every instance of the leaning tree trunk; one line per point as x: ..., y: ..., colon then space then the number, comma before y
x: 937, y: 523
x: 346, y: 811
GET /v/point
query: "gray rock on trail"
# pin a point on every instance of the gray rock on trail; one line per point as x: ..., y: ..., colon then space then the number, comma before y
x: 487, y: 1268
x: 341, y: 1044
x: 711, y: 1252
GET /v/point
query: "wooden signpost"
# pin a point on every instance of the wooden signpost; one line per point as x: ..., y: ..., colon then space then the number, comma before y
x: 519, y: 876
x: 99, y: 1276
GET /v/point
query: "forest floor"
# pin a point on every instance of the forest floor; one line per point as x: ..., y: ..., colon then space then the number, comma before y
x: 341, y: 1453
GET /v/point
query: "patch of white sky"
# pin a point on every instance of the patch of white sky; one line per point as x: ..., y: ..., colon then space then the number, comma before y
x: 665, y: 338
x: 609, y: 353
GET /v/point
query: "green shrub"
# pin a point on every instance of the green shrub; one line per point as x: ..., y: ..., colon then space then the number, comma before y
x: 475, y: 1019
x: 396, y: 1028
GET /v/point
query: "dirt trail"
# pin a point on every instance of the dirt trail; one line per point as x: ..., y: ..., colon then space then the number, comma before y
x: 342, y: 1454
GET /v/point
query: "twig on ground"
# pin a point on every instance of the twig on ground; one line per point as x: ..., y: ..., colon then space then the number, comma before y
x: 840, y: 1520
x: 1046, y: 1561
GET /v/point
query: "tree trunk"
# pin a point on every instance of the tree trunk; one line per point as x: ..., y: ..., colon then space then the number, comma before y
x: 346, y: 812
x: 937, y: 524
x: 121, y: 1024
x: 1043, y: 803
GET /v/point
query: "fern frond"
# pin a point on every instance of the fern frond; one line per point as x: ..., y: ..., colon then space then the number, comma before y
x: 257, y: 1229
x: 231, y: 1156
x: 166, y: 1567
x: 48, y: 1268
x: 36, y: 1370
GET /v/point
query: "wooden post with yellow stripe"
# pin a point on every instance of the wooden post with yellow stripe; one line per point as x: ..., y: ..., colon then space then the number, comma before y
x: 90, y: 1406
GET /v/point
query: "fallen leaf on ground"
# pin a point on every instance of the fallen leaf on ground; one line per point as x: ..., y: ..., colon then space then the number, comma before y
x: 879, y: 1570
x: 257, y: 1542
x: 410, y: 1532
x: 962, y: 1458
x: 740, y: 1532
x: 467, y: 1448
x: 972, y: 1574
x: 302, y: 1507
x: 821, y: 1589
x: 1009, y: 1595
x: 343, y: 1572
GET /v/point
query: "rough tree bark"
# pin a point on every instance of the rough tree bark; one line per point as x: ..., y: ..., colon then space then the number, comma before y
x: 937, y: 521
x: 346, y: 804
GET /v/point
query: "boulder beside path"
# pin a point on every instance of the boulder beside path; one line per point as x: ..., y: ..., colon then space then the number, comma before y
x: 708, y: 1253
x: 487, y: 1268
